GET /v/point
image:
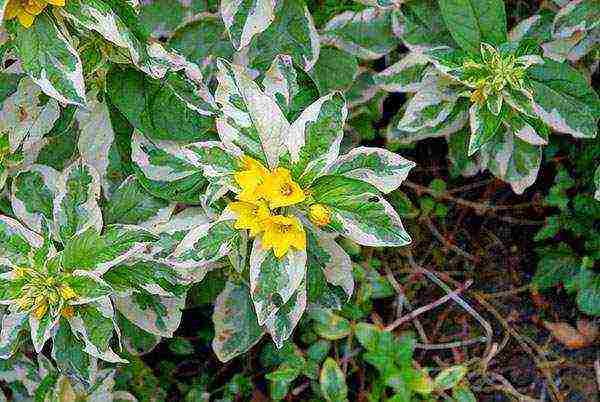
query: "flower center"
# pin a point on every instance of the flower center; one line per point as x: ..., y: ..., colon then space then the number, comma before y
x: 285, y: 228
x: 286, y: 189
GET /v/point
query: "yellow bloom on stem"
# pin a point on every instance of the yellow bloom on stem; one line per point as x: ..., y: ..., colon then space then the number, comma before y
x: 67, y: 293
x: 319, y: 214
x: 250, y: 216
x: 250, y: 178
x: 26, y: 10
x: 280, y: 190
x: 282, y: 233
x: 40, y: 309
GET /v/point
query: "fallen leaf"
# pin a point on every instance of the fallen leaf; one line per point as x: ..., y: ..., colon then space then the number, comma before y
x: 574, y: 338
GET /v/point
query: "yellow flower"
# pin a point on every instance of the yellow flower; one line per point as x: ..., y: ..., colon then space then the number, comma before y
x: 280, y: 190
x: 319, y: 214
x: 26, y: 10
x: 250, y: 216
x: 68, y: 312
x: 282, y: 233
x: 250, y: 178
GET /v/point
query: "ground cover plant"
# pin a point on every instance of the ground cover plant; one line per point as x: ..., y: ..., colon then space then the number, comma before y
x: 303, y: 200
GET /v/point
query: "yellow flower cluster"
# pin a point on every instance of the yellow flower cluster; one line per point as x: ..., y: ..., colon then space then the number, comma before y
x: 41, y: 292
x: 262, y: 193
x: 26, y: 10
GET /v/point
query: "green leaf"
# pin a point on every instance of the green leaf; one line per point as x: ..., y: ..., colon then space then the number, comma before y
x: 359, y: 212
x: 314, y: 138
x: 87, y: 286
x: 236, y: 328
x: 563, y: 99
x: 420, y: 25
x: 76, y: 207
x: 366, y: 34
x: 252, y: 120
x: 588, y: 298
x: 556, y: 266
x: 472, y: 22
x: 274, y: 281
x: 379, y: 167
x: 328, y: 325
x: 164, y: 169
x: 333, y: 382
x: 245, y: 19
x: 49, y: 58
x: 462, y: 393
x: 292, y: 32
x: 449, y: 377
x: 335, y: 70
x: 131, y: 204
x: 597, y: 183
x: 42, y: 329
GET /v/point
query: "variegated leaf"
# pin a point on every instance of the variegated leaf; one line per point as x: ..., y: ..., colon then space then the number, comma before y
x: 378, y: 167
x: 252, y: 121
x: 359, y: 213
x: 537, y: 27
x: 281, y: 82
x: 25, y: 118
x: 484, y: 126
x: 420, y: 25
x: 597, y: 183
x: 405, y: 75
x: 163, y: 168
x: 366, y: 34
x: 564, y: 100
x: 202, y: 40
x: 246, y: 18
x: 49, y: 58
x: 236, y: 328
x: 12, y: 325
x: 274, y: 281
x: 329, y: 257
x: 98, y: 253
x: 292, y: 32
x: 429, y: 107
x: 208, y: 242
x: 215, y: 159
x: 16, y: 241
x: 331, y: 60
x: 32, y: 195
x: 87, y: 286
x: 281, y: 324
x: 69, y: 355
x: 43, y: 328
x: 158, y: 315
x: 512, y: 160
x: 96, y: 136
x: 314, y: 138
x: 94, y: 325
x: 380, y: 3
x: 131, y: 204
x: 76, y: 207
x: 576, y: 17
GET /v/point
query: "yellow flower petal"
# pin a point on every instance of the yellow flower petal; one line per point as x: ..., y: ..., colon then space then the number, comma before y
x: 280, y: 190
x: 67, y: 293
x: 250, y: 216
x: 282, y: 233
x: 59, y: 3
x: 250, y: 179
x: 25, y: 18
x: 319, y: 214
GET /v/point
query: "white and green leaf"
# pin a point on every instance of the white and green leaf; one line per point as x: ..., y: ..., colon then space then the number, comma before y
x: 246, y: 18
